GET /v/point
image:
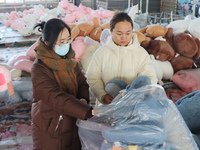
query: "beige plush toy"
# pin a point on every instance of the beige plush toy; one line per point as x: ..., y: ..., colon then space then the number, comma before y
x: 154, y: 31
x: 15, y: 73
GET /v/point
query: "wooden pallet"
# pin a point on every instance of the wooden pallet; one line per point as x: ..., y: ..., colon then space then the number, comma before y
x: 10, y: 38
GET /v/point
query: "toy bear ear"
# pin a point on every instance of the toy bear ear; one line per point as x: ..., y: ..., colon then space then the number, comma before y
x: 198, y: 52
x: 169, y: 33
x: 145, y: 44
x: 75, y: 32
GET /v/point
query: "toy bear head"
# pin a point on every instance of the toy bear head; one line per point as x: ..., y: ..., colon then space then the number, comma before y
x: 182, y: 63
x: 160, y: 49
x: 187, y: 45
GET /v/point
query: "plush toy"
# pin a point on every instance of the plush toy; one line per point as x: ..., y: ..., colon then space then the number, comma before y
x: 15, y: 73
x: 79, y: 47
x: 23, y: 61
x: 163, y: 69
x: 182, y: 63
x: 96, y: 33
x: 93, y: 30
x: 141, y: 37
x: 186, y: 45
x: 187, y: 80
x: 91, y: 47
x: 160, y: 49
x: 5, y: 78
x: 98, y: 29
x: 85, y: 29
x: 194, y: 28
x: 30, y: 52
x: 179, y: 26
x: 187, y: 48
x: 154, y: 30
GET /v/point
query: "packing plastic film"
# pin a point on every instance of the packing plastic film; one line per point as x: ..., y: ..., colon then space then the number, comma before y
x: 143, y: 118
x: 23, y: 94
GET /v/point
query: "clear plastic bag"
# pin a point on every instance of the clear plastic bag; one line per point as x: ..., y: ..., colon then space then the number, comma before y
x: 143, y: 117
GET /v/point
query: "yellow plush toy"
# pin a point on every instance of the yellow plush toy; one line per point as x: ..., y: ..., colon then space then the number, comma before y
x: 154, y: 31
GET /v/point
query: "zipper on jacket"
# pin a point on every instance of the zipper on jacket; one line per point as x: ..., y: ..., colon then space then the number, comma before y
x: 60, y: 118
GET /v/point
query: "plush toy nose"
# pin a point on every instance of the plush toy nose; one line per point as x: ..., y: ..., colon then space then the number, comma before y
x: 2, y: 79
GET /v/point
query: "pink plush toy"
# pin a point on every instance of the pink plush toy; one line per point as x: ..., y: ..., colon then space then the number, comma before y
x: 30, y: 52
x: 23, y: 61
x: 69, y: 18
x: 79, y: 47
x: 187, y: 80
x: 5, y: 78
x: 24, y: 64
x: 17, y: 57
x: 107, y: 14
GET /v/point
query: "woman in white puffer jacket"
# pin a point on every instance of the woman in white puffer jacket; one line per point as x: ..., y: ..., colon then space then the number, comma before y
x: 121, y: 57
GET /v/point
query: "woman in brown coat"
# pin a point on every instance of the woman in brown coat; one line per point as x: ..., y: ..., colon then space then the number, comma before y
x: 60, y: 90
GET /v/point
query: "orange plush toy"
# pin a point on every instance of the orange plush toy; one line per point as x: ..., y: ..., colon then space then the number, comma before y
x: 154, y: 31
x: 141, y: 37
x: 96, y: 32
x: 86, y: 29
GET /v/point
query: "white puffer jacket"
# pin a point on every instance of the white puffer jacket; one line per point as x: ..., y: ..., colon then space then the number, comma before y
x: 111, y: 61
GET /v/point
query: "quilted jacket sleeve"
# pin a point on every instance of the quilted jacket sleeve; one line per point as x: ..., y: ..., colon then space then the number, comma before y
x: 94, y: 77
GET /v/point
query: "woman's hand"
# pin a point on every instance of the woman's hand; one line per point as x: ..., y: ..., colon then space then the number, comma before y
x: 108, y: 99
x: 83, y: 100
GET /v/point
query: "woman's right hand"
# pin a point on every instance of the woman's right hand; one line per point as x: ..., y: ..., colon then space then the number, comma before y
x: 108, y: 99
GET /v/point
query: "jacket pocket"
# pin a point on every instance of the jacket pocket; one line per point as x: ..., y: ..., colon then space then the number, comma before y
x: 53, y: 126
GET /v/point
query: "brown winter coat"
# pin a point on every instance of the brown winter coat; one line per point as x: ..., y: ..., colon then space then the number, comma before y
x: 51, y: 103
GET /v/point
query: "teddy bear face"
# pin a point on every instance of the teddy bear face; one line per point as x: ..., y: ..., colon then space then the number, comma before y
x: 185, y: 45
x: 160, y: 49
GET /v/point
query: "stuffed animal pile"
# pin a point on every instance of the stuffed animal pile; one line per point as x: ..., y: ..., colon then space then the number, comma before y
x: 23, y: 22
x: 180, y: 50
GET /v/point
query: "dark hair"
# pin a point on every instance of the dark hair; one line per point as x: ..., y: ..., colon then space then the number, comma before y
x: 120, y: 17
x: 51, y: 30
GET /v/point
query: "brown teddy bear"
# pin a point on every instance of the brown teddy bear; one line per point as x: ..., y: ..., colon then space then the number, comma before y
x: 160, y: 49
x: 182, y: 63
x: 187, y: 46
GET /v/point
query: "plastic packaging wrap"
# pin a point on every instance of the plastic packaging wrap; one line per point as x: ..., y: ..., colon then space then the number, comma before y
x: 143, y: 118
x: 22, y: 90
